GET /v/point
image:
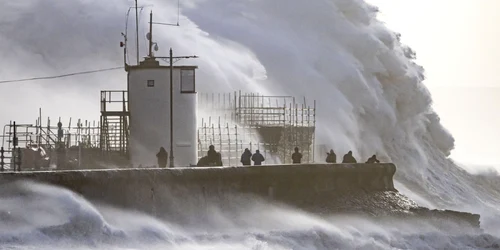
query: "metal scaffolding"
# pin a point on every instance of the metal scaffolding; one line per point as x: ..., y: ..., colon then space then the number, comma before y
x: 231, y: 122
x: 86, y: 143
x: 19, y: 137
x: 273, y: 124
x: 114, y: 137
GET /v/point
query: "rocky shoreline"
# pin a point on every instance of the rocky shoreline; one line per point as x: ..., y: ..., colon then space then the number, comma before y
x: 385, y: 205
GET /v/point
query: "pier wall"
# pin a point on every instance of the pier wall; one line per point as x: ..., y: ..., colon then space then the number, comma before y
x: 188, y: 195
x: 142, y: 188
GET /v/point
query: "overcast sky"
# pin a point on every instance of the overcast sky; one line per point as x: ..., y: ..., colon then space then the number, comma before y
x: 457, y: 43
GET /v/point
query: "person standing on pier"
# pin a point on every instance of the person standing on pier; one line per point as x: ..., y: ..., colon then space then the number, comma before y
x: 296, y: 156
x: 348, y: 158
x: 162, y: 158
x: 257, y: 158
x: 331, y: 157
x: 246, y: 157
x: 214, y: 158
x: 372, y: 160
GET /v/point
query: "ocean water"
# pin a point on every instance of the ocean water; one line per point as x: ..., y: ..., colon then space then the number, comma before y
x: 39, y: 216
x: 370, y: 99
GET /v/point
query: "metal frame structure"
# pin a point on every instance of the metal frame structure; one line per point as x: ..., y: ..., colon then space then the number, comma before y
x: 114, y: 136
x: 21, y: 136
x: 273, y: 124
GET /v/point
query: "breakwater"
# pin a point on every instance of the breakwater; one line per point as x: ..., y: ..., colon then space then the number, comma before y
x: 186, y: 193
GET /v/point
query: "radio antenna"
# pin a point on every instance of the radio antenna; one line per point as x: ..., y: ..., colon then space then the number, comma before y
x: 178, y: 11
x: 137, y: 32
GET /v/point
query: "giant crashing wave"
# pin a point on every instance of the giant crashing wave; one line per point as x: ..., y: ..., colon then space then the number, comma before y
x: 370, y: 94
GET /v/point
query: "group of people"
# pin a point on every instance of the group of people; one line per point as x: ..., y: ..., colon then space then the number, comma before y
x: 258, y: 158
x: 247, y: 157
x: 214, y: 158
x: 331, y: 157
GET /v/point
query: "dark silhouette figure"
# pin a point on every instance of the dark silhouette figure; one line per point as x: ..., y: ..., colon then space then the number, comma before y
x: 331, y: 157
x: 257, y: 158
x: 203, y: 162
x: 348, y: 158
x: 246, y: 157
x: 213, y: 158
x: 296, y: 156
x: 373, y: 160
x: 162, y: 158
x: 212, y: 154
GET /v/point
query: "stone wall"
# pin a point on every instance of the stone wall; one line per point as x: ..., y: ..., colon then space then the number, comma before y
x: 132, y: 188
x: 185, y: 193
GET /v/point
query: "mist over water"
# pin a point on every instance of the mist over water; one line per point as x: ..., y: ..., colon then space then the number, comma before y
x: 369, y: 92
x: 38, y: 216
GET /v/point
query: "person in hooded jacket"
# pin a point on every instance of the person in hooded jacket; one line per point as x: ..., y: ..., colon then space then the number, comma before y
x: 296, y: 156
x: 348, y: 158
x: 246, y: 157
x: 331, y: 157
x: 162, y: 157
x: 257, y: 158
x: 372, y: 160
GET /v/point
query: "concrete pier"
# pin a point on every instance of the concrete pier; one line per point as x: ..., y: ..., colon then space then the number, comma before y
x: 323, y: 188
x: 279, y: 181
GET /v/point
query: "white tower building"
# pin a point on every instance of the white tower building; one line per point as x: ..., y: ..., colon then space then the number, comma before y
x: 149, y: 106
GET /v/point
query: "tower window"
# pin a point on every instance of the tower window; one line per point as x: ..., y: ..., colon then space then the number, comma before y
x: 151, y: 83
x: 187, y: 81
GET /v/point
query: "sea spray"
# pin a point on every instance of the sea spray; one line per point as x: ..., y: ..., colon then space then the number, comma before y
x: 259, y: 225
x: 370, y: 93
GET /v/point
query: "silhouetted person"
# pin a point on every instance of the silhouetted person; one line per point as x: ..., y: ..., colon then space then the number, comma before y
x: 203, y: 162
x: 257, y: 158
x: 162, y: 158
x: 246, y: 157
x: 348, y: 158
x: 214, y: 158
x: 212, y: 154
x: 331, y: 157
x: 373, y: 160
x: 296, y: 156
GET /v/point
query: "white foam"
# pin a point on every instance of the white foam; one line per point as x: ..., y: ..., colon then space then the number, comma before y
x: 370, y: 93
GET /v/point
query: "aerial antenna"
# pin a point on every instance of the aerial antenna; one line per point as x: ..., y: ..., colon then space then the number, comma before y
x: 178, y: 16
x: 124, y: 44
x: 150, y: 34
x: 137, y: 32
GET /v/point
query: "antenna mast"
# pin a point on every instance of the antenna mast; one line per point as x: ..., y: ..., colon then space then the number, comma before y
x: 178, y: 11
x: 150, y: 34
x: 137, y: 32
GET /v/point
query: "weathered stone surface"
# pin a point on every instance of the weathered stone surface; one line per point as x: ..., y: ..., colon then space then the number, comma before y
x: 463, y: 218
